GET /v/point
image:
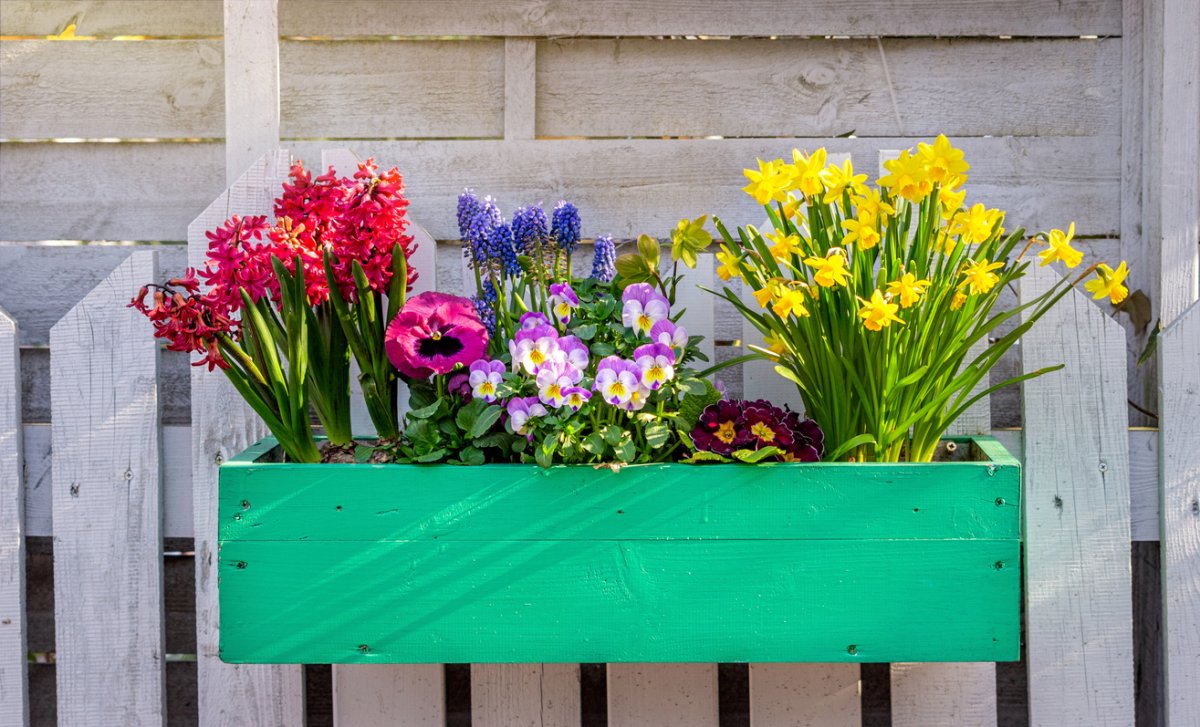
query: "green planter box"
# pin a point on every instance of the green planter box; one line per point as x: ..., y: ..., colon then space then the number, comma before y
x: 674, y: 562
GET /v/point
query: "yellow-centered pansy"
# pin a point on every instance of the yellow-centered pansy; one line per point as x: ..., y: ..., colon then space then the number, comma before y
x: 1109, y: 283
x: 908, y: 288
x: 1058, y: 247
x: 877, y: 313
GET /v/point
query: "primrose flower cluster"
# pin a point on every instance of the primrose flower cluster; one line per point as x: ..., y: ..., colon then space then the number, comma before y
x: 869, y: 298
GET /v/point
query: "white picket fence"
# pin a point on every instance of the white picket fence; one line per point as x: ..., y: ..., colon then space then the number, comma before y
x: 109, y: 503
x: 1083, y: 109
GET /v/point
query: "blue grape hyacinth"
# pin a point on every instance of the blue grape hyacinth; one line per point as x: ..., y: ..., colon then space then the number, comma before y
x: 604, y: 262
x: 564, y: 226
x: 529, y: 228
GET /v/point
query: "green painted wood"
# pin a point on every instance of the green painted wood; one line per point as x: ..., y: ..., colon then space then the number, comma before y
x: 505, y: 563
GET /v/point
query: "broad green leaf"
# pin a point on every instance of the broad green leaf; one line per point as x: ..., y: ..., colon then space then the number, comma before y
x: 650, y: 251
x: 486, y: 419
x: 657, y: 435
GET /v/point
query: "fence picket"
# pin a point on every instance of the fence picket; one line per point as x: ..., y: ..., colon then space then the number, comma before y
x: 805, y: 695
x: 1179, y: 381
x: 14, y: 696
x: 108, y: 583
x: 222, y: 426
x: 666, y: 695
x: 937, y: 695
x: 698, y: 305
x: 525, y: 695
x: 1077, y: 550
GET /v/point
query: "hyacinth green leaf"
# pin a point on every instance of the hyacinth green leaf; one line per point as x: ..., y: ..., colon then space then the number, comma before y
x: 848, y: 445
x: 398, y: 290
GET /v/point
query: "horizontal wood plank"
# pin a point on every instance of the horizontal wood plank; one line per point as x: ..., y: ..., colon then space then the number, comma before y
x: 145, y: 191
x: 586, y: 601
x: 389, y: 89
x: 700, y: 17
x: 625, y: 188
x: 108, y: 18
x: 99, y: 89
x: 820, y: 87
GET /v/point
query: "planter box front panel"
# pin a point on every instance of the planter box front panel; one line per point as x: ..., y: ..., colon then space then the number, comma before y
x: 724, y: 563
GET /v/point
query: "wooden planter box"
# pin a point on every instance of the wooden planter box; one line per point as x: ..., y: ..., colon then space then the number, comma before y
x: 673, y: 562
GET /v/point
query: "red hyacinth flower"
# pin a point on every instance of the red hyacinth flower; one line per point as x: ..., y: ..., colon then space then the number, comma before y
x: 433, y: 333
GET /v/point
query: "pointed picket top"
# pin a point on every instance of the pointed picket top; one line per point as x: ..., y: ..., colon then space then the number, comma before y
x: 107, y: 503
x: 1179, y: 451
x: 14, y: 695
x: 1077, y: 521
x: 222, y: 426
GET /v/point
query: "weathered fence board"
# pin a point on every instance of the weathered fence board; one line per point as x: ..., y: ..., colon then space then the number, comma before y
x: 222, y: 426
x: 1179, y: 381
x: 525, y: 695
x: 626, y: 187
x: 1077, y: 565
x: 14, y: 699
x: 666, y: 695
x: 448, y: 89
x: 251, y: 83
x: 108, y: 18
x: 520, y: 88
x: 700, y: 17
x: 821, y: 87
x: 805, y: 695
x: 168, y: 89
x: 376, y: 694
x: 108, y: 583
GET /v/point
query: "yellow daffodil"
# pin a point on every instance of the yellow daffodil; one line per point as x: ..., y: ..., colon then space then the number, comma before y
x: 806, y: 172
x: 908, y: 288
x: 1109, y: 283
x: 769, y: 182
x: 784, y: 247
x: 870, y: 204
x: 942, y: 160
x: 774, y: 344
x: 979, y: 275
x: 1059, y: 248
x: 791, y: 205
x: 977, y: 224
x: 831, y: 269
x: 729, y: 266
x: 907, y: 177
x: 861, y: 231
x: 839, y: 179
x: 951, y: 201
x: 877, y: 313
x: 958, y: 300
x: 792, y: 301
x: 768, y: 292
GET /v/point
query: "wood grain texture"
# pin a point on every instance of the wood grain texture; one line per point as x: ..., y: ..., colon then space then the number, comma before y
x: 130, y: 191
x: 701, y: 17
x: 805, y: 695
x: 670, y: 695
x: 108, y: 583
x: 108, y: 18
x: 222, y: 426
x: 14, y: 696
x: 954, y: 695
x: 365, y: 695
x: 626, y: 188
x: 820, y: 87
x: 251, y: 45
x: 167, y: 89
x: 1179, y: 379
x: 1077, y: 554
x: 520, y: 88
x: 1180, y: 140
x: 525, y: 695
x: 390, y: 89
